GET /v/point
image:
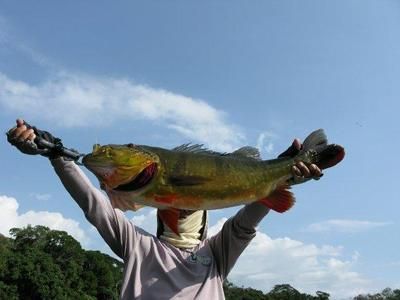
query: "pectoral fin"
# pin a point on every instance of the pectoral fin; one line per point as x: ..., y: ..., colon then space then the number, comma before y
x: 279, y: 200
x: 122, y: 203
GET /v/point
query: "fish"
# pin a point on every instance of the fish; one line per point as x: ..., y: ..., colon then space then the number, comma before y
x: 191, y: 177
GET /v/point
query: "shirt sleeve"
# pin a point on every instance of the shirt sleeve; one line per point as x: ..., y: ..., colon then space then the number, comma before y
x: 237, y: 232
x: 113, y: 226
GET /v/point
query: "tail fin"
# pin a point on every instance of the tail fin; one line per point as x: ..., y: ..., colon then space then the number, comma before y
x: 325, y: 155
x: 315, y: 150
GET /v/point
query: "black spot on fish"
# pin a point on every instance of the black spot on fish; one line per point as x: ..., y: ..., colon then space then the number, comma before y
x: 187, y: 180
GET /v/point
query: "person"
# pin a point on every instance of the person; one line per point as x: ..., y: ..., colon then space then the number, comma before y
x: 165, y: 266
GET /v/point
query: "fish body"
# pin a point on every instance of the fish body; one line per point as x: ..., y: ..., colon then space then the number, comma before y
x: 192, y: 178
x: 194, y: 181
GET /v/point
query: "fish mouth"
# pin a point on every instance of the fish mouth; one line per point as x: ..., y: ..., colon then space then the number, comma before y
x: 140, y: 181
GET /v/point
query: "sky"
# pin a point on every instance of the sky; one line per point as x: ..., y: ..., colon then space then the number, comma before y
x: 224, y: 74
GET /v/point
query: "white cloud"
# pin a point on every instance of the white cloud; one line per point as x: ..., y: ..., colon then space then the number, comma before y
x: 344, y: 226
x: 307, y: 267
x: 147, y: 220
x: 264, y: 142
x: 10, y: 218
x: 214, y: 229
x: 73, y: 99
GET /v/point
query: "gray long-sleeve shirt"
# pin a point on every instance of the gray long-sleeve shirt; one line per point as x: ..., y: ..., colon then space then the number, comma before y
x: 154, y: 269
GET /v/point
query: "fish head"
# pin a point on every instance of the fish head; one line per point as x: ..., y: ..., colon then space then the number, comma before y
x: 122, y: 167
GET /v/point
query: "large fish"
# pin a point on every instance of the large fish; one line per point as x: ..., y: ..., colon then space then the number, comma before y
x: 192, y: 178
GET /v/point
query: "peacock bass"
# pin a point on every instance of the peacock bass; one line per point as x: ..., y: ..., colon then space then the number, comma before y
x: 190, y: 177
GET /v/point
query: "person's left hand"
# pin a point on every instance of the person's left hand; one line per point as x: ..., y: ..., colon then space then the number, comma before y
x: 301, y: 171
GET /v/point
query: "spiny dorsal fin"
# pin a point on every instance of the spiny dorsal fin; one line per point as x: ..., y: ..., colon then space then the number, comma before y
x: 248, y: 152
x: 196, y: 148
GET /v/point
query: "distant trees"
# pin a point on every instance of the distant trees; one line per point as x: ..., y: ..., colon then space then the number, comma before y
x: 386, y: 294
x: 287, y: 292
x: 279, y: 292
x: 39, y: 263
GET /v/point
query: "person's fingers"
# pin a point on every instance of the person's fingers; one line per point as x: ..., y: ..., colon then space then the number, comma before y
x: 293, y: 150
x: 25, y: 135
x: 296, y: 171
x: 303, y: 169
x: 16, y: 134
x: 315, y: 171
x: 297, y: 144
x: 20, y: 122
x: 32, y: 136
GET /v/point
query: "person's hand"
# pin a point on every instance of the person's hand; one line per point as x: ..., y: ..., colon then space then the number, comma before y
x: 301, y: 171
x: 23, y: 138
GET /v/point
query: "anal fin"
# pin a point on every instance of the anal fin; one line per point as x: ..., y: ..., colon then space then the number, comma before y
x: 279, y: 200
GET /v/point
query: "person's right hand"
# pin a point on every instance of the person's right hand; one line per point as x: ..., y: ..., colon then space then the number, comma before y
x: 23, y: 138
x: 301, y: 171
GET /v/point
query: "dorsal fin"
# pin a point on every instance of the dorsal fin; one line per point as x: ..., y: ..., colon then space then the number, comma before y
x: 196, y: 148
x: 248, y: 152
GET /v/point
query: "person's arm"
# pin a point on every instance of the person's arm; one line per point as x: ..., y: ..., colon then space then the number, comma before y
x: 111, y: 223
x: 238, y: 231
x: 113, y: 226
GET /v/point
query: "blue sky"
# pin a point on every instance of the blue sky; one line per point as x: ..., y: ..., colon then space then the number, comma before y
x: 225, y: 74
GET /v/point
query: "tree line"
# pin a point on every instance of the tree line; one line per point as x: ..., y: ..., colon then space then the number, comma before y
x: 39, y: 263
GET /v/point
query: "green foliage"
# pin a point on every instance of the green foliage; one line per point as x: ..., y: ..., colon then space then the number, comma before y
x: 39, y: 263
x: 233, y: 292
x: 386, y: 294
x: 278, y: 292
x: 287, y: 292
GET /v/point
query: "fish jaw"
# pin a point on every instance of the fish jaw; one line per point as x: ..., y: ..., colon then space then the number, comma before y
x: 116, y: 165
x: 106, y: 174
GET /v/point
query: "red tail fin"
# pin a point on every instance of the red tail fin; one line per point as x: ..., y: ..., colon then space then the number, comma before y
x: 279, y: 200
x: 326, y: 155
x: 331, y: 156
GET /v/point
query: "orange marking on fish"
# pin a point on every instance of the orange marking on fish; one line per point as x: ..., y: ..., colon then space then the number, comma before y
x: 165, y: 199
